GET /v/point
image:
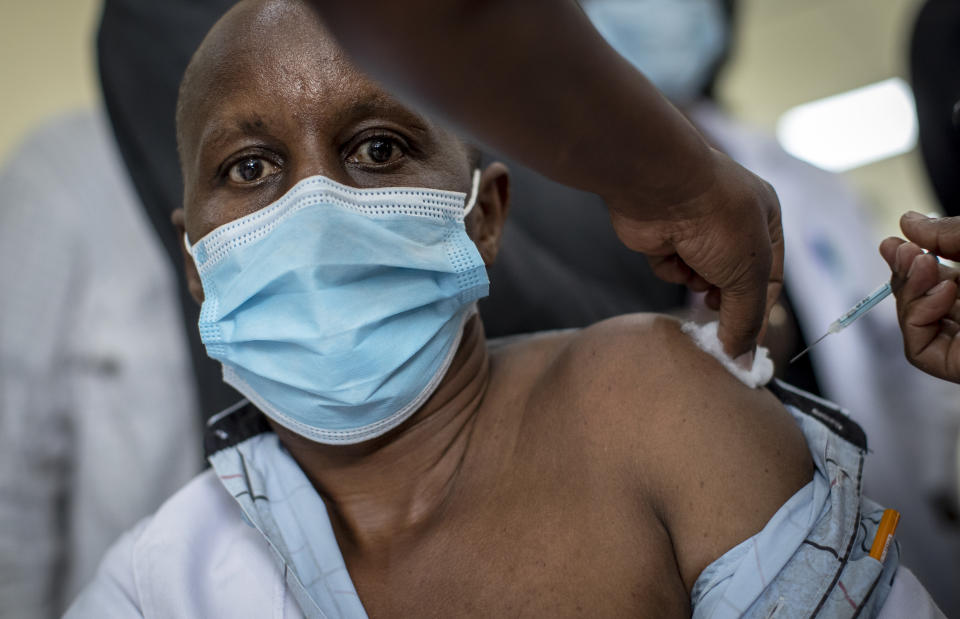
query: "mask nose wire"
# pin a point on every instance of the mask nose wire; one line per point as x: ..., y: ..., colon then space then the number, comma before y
x: 474, y: 189
x: 473, y: 193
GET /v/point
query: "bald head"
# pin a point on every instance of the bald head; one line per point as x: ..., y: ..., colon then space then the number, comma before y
x: 249, y: 40
x: 269, y: 90
x: 269, y: 99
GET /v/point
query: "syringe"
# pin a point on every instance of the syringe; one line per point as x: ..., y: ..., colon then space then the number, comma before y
x: 863, y: 306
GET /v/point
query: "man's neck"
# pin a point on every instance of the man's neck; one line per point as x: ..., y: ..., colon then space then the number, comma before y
x: 390, y: 488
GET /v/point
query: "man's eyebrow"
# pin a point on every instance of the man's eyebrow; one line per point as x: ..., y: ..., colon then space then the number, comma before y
x: 220, y: 130
x: 385, y: 106
x: 252, y: 124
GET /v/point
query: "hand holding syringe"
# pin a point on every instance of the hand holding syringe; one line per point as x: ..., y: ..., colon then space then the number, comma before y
x: 928, y: 304
x: 870, y: 301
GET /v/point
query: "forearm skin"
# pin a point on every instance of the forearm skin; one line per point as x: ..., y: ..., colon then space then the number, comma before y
x: 534, y: 80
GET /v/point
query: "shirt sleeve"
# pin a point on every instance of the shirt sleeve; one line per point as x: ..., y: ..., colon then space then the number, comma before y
x: 908, y: 598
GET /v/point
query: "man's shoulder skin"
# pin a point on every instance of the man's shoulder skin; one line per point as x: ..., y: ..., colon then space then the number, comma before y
x: 634, y: 397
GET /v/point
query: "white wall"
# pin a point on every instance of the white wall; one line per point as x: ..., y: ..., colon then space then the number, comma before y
x: 794, y: 51
x: 46, y: 62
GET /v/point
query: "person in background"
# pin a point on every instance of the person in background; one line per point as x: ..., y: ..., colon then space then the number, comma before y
x: 831, y: 262
x: 935, y: 78
x: 926, y: 308
x: 144, y: 37
x: 98, y: 415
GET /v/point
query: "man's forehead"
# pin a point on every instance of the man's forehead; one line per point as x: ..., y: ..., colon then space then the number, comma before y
x: 257, y: 34
x: 259, y: 18
x: 274, y: 50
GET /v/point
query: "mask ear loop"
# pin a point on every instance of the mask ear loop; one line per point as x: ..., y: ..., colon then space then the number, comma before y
x: 186, y: 243
x: 474, y: 191
x: 473, y: 194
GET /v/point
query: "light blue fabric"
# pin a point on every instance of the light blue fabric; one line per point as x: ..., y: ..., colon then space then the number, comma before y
x: 811, y: 557
x: 675, y: 43
x: 279, y: 501
x: 736, y: 579
x: 337, y: 310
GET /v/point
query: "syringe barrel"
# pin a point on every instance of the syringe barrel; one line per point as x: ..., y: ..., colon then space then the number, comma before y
x: 863, y: 306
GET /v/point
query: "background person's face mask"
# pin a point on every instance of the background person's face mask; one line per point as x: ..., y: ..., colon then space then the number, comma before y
x: 337, y: 311
x: 675, y: 43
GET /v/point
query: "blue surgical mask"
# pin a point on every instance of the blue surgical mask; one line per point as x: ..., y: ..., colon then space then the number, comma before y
x: 675, y: 43
x: 337, y: 311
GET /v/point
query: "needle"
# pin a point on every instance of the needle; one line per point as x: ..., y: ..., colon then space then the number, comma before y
x: 804, y: 351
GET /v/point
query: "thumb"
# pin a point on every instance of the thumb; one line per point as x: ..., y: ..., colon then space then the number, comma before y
x: 742, y: 309
x: 939, y: 236
x: 774, y: 288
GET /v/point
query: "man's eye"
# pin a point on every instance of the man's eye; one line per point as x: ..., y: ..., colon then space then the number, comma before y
x: 376, y: 151
x: 251, y: 170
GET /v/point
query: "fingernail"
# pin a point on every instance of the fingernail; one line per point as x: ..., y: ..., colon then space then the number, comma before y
x: 914, y: 215
x: 936, y: 289
x: 745, y: 360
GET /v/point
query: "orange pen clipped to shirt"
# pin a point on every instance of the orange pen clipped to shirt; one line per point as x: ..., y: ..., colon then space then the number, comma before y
x: 881, y: 543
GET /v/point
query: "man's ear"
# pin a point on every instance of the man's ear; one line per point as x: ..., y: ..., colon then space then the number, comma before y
x: 189, y: 266
x: 485, y: 222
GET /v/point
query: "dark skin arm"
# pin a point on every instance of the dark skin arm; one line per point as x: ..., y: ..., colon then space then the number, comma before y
x: 533, y: 79
x: 714, y: 458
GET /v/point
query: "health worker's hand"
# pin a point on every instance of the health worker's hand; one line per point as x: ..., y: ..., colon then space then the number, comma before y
x: 928, y: 306
x: 726, y: 241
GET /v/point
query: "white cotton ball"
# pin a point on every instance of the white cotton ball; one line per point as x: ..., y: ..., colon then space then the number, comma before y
x: 705, y: 336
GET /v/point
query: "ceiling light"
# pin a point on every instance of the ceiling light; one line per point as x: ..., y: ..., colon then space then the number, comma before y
x: 853, y: 128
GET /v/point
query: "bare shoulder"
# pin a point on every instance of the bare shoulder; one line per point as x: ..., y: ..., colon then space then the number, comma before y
x: 715, y: 458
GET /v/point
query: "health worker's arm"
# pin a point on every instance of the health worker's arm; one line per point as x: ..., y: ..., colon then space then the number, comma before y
x: 928, y: 304
x: 534, y: 80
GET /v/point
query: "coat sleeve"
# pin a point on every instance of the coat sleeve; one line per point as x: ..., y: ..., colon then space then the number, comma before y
x: 113, y: 593
x: 41, y: 274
